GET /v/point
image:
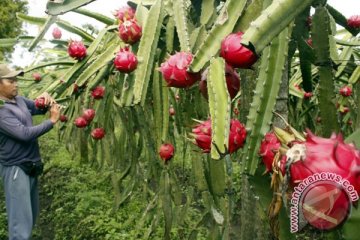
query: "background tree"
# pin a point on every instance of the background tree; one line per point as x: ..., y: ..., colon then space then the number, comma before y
x: 10, y: 25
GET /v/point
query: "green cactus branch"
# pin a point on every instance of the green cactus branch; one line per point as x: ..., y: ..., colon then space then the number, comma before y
x: 272, y: 21
x: 180, y: 17
x: 219, y: 104
x: 320, y: 35
x: 146, y: 52
x: 266, y: 91
x: 62, y: 6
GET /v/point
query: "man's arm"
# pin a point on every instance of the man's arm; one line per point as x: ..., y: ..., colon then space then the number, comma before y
x: 12, y: 127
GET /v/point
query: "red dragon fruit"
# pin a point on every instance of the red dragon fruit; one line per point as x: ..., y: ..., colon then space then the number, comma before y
x: 232, y: 82
x: 40, y: 103
x: 166, y: 151
x: 171, y: 111
x: 125, y: 61
x: 175, y: 73
x: 80, y: 122
x: 98, y: 133
x: 354, y: 21
x: 329, y: 155
x: 130, y: 31
x: 345, y: 91
x: 77, y: 50
x: 125, y: 13
x: 88, y: 114
x: 36, y: 76
x: 308, y: 95
x: 56, y: 33
x: 309, y: 41
x: 235, y: 53
x: 98, y: 92
x: 268, y: 148
x: 63, y: 118
x: 202, y: 135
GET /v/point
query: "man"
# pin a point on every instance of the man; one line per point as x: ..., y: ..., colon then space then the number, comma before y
x: 20, y: 161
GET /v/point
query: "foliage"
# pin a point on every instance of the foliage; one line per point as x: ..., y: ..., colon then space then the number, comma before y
x: 10, y: 26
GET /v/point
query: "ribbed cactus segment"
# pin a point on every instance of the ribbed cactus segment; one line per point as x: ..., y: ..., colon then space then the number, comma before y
x: 61, y: 7
x: 223, y: 26
x: 49, y: 21
x: 146, y: 52
x: 219, y: 103
x: 267, y: 88
x: 272, y: 21
x: 100, y: 62
x: 355, y: 76
x: 320, y: 32
x: 181, y: 19
x: 252, y: 11
x: 207, y: 10
x: 345, y: 56
x: 158, y: 106
x: 217, y: 176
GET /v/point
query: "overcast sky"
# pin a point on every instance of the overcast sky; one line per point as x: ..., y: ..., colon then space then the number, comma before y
x: 106, y: 7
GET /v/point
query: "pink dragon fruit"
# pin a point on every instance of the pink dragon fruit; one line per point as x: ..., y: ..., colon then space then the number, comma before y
x: 345, y: 91
x: 56, y: 33
x: 130, y: 31
x: 124, y: 13
x: 77, y: 50
x: 40, y: 103
x: 175, y: 73
x: 125, y: 61
x: 98, y: 133
x: 235, y: 53
x: 63, y: 118
x: 329, y: 155
x: 202, y: 135
x: 88, y: 114
x: 354, y: 21
x: 268, y: 148
x: 80, y: 122
x: 36, y: 76
x: 232, y: 82
x: 98, y: 92
x: 166, y: 151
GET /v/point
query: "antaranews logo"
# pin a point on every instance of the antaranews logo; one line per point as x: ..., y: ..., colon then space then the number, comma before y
x: 323, y: 200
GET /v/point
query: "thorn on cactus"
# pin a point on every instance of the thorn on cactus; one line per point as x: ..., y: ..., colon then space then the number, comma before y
x: 166, y: 152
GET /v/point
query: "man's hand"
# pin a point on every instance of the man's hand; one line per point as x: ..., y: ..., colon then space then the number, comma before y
x: 49, y: 101
x: 54, y: 113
